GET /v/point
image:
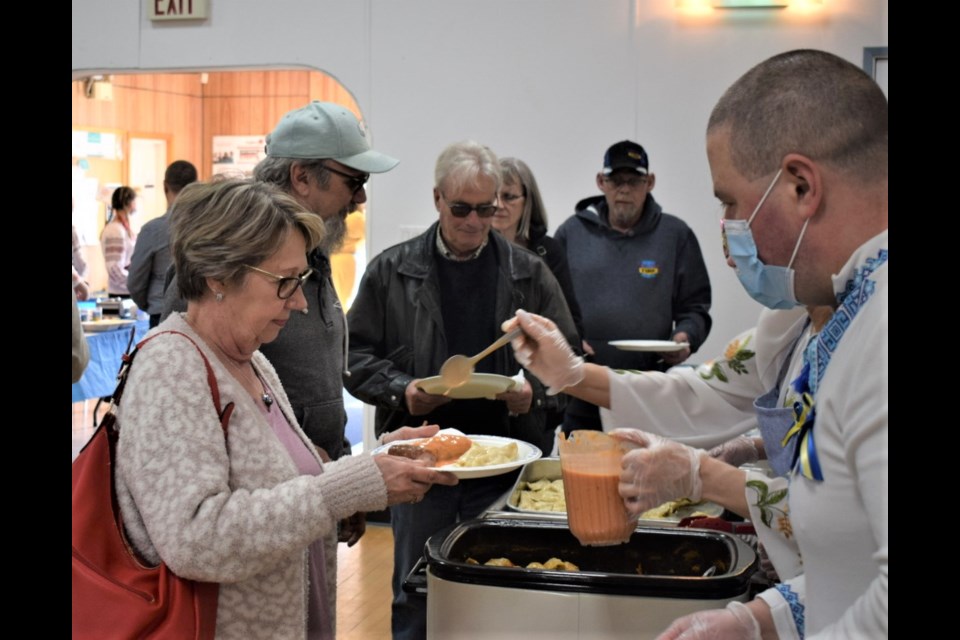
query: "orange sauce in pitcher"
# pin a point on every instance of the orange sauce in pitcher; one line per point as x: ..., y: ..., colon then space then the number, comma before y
x: 595, y: 511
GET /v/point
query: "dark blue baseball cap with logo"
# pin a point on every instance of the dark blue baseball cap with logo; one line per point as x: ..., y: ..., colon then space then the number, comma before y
x: 626, y: 155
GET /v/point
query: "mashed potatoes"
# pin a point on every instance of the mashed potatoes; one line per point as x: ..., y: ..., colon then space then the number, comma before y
x: 480, y: 455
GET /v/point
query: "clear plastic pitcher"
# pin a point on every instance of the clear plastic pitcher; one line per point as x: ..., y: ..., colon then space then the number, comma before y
x: 590, y: 464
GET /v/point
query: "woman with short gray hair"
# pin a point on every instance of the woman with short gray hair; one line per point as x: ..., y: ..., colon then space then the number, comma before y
x: 248, y: 509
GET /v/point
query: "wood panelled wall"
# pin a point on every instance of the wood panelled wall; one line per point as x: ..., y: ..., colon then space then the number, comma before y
x: 252, y: 102
x: 191, y: 113
x: 164, y: 104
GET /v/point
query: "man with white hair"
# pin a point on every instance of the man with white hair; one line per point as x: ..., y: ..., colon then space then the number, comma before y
x: 442, y: 293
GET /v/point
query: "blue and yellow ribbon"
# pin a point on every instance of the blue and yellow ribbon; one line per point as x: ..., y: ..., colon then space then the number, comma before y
x: 816, y: 357
x: 805, y: 459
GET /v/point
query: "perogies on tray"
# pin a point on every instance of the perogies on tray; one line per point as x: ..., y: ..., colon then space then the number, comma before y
x: 487, y: 455
x: 544, y: 495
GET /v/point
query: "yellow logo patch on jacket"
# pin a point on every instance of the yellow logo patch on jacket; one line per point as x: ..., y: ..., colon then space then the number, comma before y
x: 648, y: 269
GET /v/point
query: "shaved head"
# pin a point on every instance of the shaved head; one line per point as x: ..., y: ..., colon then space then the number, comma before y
x: 808, y: 102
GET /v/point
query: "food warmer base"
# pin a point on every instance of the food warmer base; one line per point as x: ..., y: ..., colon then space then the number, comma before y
x: 606, y: 599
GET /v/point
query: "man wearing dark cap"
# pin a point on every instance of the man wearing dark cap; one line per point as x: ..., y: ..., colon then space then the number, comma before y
x: 321, y: 156
x: 151, y: 255
x: 638, y: 273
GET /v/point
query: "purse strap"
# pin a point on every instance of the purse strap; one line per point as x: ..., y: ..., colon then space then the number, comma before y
x: 224, y: 414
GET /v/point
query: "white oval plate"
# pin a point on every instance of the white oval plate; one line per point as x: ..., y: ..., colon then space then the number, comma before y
x: 480, y: 385
x: 526, y: 452
x: 661, y: 346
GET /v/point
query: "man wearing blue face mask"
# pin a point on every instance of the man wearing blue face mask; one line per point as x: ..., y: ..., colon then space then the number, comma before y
x: 798, y: 154
x: 769, y: 285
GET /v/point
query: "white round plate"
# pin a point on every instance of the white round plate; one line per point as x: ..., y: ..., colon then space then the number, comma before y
x: 649, y: 345
x: 480, y: 385
x: 526, y: 452
x: 109, y: 324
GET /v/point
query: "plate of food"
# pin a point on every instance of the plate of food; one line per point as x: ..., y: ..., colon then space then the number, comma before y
x: 107, y: 324
x: 660, y: 346
x: 480, y: 385
x: 465, y: 456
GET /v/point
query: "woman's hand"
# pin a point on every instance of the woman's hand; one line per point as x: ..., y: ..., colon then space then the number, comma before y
x: 657, y: 470
x: 410, y: 433
x: 408, y: 480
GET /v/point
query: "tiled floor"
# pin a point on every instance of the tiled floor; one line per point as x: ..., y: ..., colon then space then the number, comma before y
x: 364, y: 572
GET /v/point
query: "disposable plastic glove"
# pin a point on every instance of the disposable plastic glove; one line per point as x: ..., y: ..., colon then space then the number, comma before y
x: 736, y: 452
x: 543, y: 350
x: 733, y: 623
x: 657, y: 470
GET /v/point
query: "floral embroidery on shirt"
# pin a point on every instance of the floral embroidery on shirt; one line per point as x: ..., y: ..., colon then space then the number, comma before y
x: 735, y: 358
x: 772, y: 505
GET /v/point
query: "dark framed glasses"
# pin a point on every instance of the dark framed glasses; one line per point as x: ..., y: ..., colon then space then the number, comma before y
x: 286, y: 285
x: 621, y: 180
x: 462, y: 209
x: 354, y: 183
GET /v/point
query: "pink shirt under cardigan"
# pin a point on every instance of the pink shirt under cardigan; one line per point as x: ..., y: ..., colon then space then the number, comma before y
x: 318, y: 625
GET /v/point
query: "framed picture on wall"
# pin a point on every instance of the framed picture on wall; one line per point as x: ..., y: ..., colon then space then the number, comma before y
x: 875, y: 63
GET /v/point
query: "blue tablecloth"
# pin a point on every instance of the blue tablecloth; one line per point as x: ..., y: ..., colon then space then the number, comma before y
x: 106, y: 353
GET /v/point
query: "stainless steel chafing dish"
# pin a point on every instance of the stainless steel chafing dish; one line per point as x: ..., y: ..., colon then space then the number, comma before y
x: 606, y: 598
x: 549, y: 469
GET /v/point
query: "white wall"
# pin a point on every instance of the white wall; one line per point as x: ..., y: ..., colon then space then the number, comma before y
x: 553, y: 82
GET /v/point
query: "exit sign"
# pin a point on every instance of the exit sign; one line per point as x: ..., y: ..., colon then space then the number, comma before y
x: 178, y: 9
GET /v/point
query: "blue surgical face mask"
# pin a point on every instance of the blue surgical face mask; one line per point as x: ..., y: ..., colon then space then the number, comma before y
x: 769, y: 285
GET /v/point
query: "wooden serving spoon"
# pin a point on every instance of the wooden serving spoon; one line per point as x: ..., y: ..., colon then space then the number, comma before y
x: 456, y: 371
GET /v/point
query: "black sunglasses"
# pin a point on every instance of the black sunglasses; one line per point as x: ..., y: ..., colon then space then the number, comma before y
x: 462, y: 209
x: 354, y: 183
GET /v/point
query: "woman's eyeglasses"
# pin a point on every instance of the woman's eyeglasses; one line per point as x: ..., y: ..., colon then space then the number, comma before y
x: 462, y: 209
x: 354, y: 183
x: 286, y: 285
x: 507, y: 198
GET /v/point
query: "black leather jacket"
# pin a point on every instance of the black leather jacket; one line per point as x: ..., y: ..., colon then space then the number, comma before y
x: 397, y: 335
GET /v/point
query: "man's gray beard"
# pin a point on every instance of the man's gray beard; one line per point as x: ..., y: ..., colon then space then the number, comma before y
x: 624, y: 218
x: 336, y: 227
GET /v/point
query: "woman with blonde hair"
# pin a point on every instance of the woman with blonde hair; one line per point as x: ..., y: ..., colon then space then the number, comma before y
x: 522, y: 219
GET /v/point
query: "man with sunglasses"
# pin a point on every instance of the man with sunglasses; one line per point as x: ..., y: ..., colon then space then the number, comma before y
x: 446, y: 292
x: 321, y: 156
x: 637, y: 272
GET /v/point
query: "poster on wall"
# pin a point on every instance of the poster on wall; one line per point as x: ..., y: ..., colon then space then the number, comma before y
x: 96, y: 144
x: 237, y: 155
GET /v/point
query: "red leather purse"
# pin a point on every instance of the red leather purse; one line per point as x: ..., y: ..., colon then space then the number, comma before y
x: 114, y: 594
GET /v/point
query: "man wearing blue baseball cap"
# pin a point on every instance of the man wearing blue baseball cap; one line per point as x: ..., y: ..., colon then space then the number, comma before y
x: 637, y: 272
